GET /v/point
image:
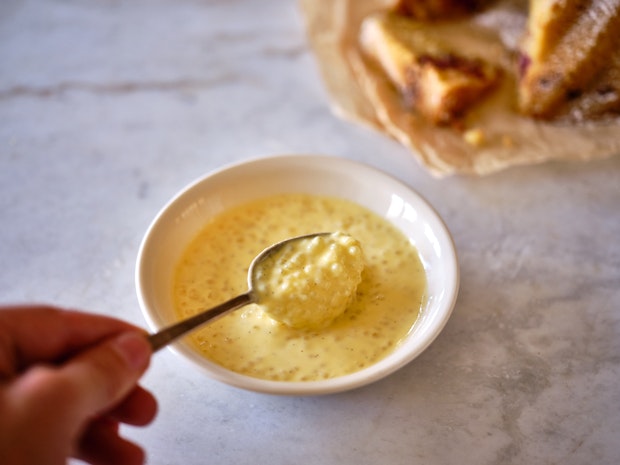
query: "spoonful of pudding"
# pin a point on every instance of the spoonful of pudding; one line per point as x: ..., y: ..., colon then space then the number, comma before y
x: 305, y: 282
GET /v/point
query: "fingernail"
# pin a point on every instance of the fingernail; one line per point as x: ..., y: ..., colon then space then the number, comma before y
x: 135, y: 349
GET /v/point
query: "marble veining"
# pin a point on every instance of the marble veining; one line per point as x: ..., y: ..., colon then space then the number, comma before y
x: 108, y: 108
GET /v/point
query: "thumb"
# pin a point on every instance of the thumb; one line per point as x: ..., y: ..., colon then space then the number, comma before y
x: 103, y: 375
x: 54, y: 404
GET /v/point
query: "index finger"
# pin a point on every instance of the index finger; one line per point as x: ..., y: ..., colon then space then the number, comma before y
x: 46, y: 334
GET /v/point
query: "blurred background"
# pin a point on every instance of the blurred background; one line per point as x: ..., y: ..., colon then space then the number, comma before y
x: 108, y: 108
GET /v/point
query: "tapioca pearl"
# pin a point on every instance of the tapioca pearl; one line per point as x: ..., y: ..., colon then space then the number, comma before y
x: 336, y: 268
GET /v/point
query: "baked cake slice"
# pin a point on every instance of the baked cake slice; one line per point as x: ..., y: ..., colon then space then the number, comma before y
x: 568, y: 52
x: 434, y: 80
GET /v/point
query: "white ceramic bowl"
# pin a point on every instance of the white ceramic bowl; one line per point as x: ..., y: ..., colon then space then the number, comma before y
x: 181, y: 219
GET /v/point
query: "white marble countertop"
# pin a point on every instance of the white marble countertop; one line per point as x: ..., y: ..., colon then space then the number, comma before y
x: 108, y: 108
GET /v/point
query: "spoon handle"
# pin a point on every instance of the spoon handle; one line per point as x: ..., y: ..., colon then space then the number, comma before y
x: 169, y: 334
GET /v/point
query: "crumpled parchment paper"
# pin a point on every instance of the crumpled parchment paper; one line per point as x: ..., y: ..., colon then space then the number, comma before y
x: 360, y: 92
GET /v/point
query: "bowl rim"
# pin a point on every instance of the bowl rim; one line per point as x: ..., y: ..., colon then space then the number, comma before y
x: 389, y: 364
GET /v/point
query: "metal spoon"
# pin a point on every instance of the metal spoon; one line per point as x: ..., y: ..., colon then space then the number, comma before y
x: 169, y: 334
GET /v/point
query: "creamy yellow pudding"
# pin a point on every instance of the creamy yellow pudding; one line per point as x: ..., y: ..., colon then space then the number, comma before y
x: 214, y: 268
x: 309, y: 282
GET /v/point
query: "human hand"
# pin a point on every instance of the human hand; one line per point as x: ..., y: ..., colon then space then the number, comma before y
x: 67, y: 382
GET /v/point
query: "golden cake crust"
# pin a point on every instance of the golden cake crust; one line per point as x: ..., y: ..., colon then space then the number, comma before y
x: 430, y: 10
x: 569, y: 58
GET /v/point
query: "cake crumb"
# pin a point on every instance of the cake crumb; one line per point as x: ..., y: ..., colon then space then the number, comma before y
x: 474, y: 136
